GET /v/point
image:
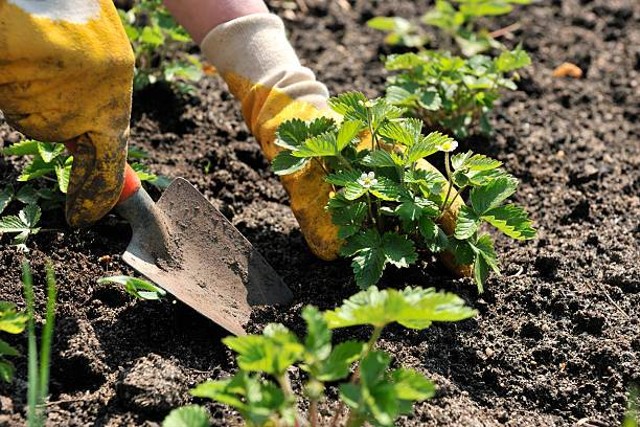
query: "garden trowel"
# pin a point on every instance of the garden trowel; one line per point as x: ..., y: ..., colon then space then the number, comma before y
x: 187, y: 247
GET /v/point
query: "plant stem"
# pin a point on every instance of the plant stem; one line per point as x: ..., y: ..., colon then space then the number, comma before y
x: 449, y: 179
x: 345, y: 162
x: 283, y: 380
x: 326, y: 171
x: 313, y: 412
x: 373, y: 340
x: 321, y: 164
x: 453, y: 199
x: 371, y: 216
x: 285, y: 384
x: 354, y: 419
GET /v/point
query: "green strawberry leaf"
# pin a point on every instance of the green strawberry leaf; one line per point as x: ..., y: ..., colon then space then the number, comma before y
x: 27, y: 147
x: 63, y: 174
x: 337, y: 365
x: 136, y: 287
x: 398, y: 250
x: 411, y: 209
x: 491, y: 195
x: 7, y: 371
x: 381, y: 159
x: 406, y: 131
x: 349, y: 218
x: 291, y: 134
x: 427, y: 146
x: 343, y: 178
x: 49, y: 151
x: 512, y: 220
x: 386, y: 189
x: 348, y: 133
x: 6, y: 196
x: 257, y: 400
x: 467, y: 223
x: 11, y: 320
x: 485, y: 260
x: 435, y: 238
x: 272, y: 352
x: 372, y: 252
x: 318, y: 340
x: 24, y: 224
x: 474, y: 162
x: 412, y: 386
x: 352, y: 105
x: 187, y: 416
x: 413, y: 308
x: 29, y: 195
x: 324, y: 145
x: 285, y: 163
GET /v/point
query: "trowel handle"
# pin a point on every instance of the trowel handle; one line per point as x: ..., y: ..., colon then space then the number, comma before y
x: 131, y: 184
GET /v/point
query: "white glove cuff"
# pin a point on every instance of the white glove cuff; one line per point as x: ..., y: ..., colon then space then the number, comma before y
x: 256, y: 48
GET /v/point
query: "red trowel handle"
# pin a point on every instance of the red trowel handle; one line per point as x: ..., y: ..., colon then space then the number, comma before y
x: 131, y: 180
x: 131, y: 184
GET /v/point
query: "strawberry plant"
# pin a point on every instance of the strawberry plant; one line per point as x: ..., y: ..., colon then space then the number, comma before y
x: 389, y: 203
x: 399, y: 31
x: 138, y: 288
x: 155, y: 36
x: 372, y: 391
x: 458, y: 21
x: 51, y: 164
x: 450, y: 92
x: 22, y: 225
x: 632, y: 415
x: 11, y: 322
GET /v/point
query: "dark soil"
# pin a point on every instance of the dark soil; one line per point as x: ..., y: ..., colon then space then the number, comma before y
x: 557, y: 340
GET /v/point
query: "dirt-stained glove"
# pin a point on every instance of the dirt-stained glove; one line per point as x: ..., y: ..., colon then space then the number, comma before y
x: 66, y: 70
x: 255, y: 58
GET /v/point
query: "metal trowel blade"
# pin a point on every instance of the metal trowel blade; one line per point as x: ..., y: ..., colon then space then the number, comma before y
x: 209, y: 265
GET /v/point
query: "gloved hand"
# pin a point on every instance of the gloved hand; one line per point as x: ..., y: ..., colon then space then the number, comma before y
x: 254, y: 57
x: 66, y: 71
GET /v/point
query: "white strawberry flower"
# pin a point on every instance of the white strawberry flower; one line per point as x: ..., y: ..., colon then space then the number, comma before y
x: 367, y: 180
x: 448, y: 146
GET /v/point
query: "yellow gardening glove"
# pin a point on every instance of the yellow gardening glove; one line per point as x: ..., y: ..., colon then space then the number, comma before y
x: 255, y: 58
x: 66, y: 70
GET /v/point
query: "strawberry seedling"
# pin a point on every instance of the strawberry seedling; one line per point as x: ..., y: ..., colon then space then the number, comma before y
x: 11, y: 322
x: 138, y: 288
x: 155, y: 36
x: 399, y: 31
x: 458, y: 19
x: 370, y: 389
x: 450, y: 92
x: 458, y: 22
x: 51, y: 164
x: 389, y: 203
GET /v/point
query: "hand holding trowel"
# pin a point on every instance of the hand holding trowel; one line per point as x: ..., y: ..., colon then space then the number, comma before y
x: 187, y: 247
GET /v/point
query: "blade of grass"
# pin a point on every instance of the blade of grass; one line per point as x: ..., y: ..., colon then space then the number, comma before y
x: 32, y: 368
x: 47, y: 334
